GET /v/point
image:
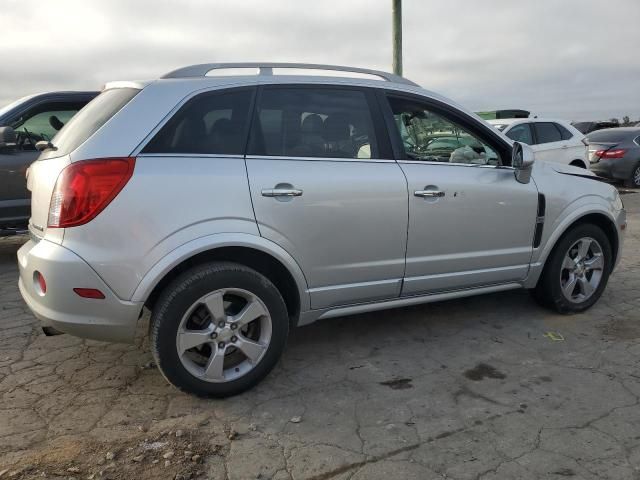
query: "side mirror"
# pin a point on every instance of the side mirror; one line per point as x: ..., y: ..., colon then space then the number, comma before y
x: 7, y: 137
x: 522, y: 158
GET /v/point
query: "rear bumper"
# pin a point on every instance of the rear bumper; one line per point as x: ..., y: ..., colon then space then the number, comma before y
x: 618, y: 169
x: 109, y: 319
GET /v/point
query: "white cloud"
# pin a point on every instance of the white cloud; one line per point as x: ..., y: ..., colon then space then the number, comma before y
x: 574, y: 59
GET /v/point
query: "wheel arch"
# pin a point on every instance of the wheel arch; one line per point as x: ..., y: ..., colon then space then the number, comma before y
x: 599, y: 218
x: 577, y: 162
x: 263, y: 256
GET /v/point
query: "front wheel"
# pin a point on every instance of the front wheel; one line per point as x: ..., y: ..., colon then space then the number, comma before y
x: 577, y: 271
x: 218, y: 329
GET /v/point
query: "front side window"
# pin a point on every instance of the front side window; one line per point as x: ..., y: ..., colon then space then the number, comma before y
x: 313, y: 122
x: 210, y: 123
x: 546, y: 132
x: 45, y: 125
x: 521, y: 133
x: 430, y: 137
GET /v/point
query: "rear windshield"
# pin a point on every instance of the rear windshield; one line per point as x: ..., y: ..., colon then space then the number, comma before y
x: 88, y: 120
x: 609, y: 136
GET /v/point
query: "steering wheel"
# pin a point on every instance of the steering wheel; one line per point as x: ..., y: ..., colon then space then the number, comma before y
x: 24, y: 137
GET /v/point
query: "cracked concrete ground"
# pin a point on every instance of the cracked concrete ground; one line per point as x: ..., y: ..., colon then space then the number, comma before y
x: 466, y: 389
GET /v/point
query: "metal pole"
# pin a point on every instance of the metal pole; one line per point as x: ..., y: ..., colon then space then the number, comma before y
x: 397, y: 36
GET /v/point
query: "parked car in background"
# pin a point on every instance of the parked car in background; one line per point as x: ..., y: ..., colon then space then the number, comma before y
x: 23, y: 123
x: 551, y: 140
x: 588, y: 127
x: 615, y: 153
x: 235, y: 208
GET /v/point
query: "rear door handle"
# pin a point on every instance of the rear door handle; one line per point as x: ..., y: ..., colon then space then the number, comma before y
x: 429, y: 193
x: 281, y: 192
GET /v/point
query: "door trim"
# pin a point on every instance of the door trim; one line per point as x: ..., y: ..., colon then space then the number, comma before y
x: 313, y: 315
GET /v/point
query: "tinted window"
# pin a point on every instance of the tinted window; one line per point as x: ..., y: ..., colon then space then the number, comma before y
x: 613, y: 135
x: 88, y: 120
x: 521, y: 133
x: 213, y: 122
x: 430, y: 137
x: 547, y: 132
x: 307, y: 122
x: 564, y: 133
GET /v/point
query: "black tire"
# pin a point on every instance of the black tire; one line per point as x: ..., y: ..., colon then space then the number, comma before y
x: 182, y: 293
x: 631, y: 181
x: 548, y: 291
x: 578, y: 163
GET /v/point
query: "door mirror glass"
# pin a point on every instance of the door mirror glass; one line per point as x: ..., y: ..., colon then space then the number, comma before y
x: 522, y: 159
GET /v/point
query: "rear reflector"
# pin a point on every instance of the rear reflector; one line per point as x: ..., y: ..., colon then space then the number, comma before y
x: 617, y: 153
x: 40, y: 282
x: 89, y: 293
x: 85, y: 188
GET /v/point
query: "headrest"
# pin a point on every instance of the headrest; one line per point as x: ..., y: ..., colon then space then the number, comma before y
x: 312, y: 124
x: 336, y: 128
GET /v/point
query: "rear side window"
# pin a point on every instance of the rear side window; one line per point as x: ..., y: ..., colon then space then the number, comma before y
x: 209, y: 123
x: 521, y: 133
x: 88, y: 120
x: 564, y: 133
x: 546, y: 132
x: 313, y: 122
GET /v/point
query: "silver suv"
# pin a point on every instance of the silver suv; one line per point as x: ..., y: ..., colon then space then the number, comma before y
x: 236, y: 201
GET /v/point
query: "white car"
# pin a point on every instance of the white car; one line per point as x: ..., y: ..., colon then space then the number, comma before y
x: 551, y: 140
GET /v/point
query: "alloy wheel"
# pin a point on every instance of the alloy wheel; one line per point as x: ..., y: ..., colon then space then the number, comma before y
x: 224, y: 335
x: 581, y: 270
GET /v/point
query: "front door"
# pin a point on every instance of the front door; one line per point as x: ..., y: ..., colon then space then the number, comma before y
x: 324, y: 189
x: 471, y: 223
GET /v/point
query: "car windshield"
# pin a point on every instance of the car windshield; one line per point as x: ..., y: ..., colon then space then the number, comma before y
x: 614, y: 135
x: 7, y: 108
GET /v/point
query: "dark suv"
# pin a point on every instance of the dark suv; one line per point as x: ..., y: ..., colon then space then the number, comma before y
x: 23, y: 123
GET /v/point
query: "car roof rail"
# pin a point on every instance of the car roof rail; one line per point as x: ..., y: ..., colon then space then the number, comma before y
x: 202, y: 69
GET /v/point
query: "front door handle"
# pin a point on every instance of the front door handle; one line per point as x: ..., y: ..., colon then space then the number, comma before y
x: 429, y: 193
x: 281, y: 192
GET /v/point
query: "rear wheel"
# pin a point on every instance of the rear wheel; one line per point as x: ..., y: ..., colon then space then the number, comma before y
x: 578, y: 163
x: 634, y: 180
x: 577, y: 270
x: 218, y: 329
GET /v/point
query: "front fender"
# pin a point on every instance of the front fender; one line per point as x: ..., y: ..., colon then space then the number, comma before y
x: 212, y: 242
x: 572, y: 213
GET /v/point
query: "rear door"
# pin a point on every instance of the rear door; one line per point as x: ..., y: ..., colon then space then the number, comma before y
x: 548, y: 143
x: 325, y: 188
x: 471, y: 223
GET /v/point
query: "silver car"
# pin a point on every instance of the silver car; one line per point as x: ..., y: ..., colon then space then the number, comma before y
x: 237, y: 201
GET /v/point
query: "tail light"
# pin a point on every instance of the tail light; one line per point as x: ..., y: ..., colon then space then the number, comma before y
x: 617, y: 153
x: 85, y: 188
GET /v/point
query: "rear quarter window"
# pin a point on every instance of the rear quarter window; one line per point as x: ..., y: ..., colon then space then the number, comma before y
x: 547, y: 132
x: 93, y: 116
x: 210, y: 123
x: 566, y: 134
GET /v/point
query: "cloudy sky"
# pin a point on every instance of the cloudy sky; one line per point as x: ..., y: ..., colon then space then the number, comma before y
x: 573, y: 59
